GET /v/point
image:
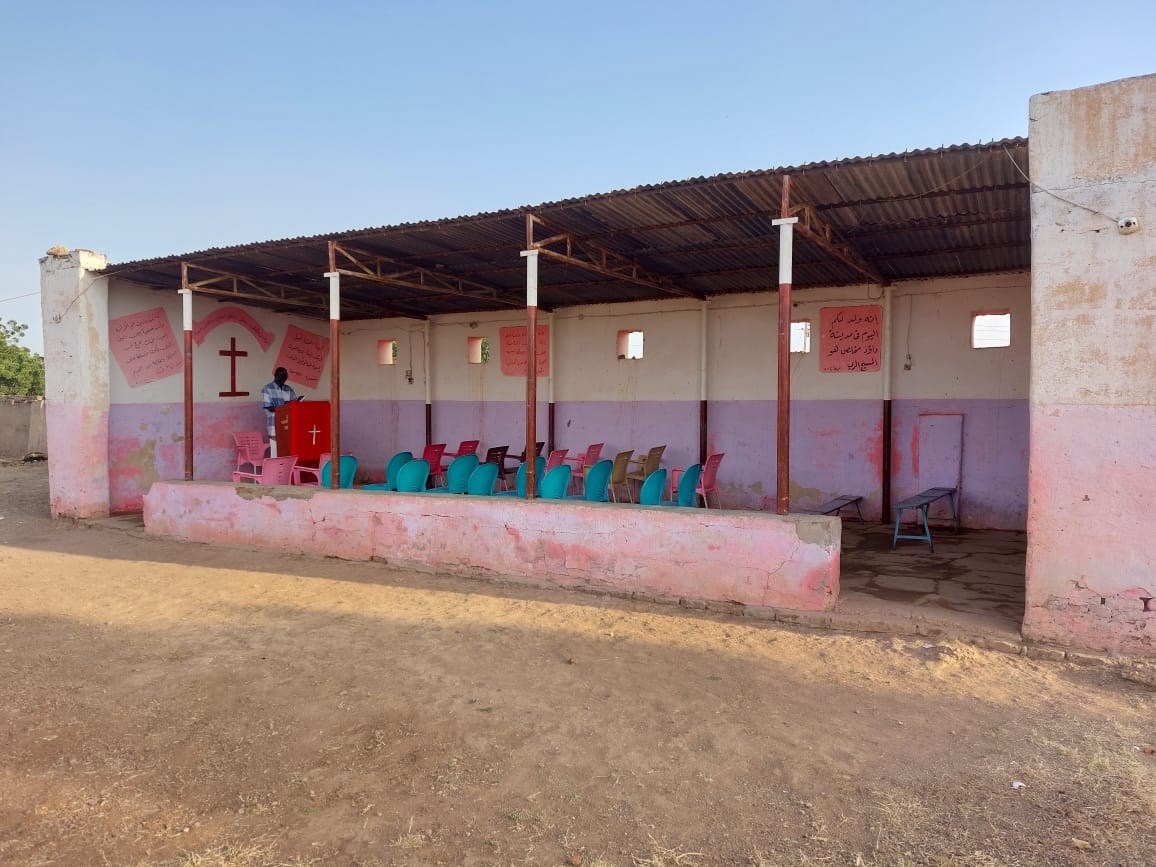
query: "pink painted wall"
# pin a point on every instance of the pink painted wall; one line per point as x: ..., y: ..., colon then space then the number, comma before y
x: 146, y: 443
x: 746, y: 557
x: 1091, y: 571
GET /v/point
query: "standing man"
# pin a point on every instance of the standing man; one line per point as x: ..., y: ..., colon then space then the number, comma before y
x: 272, y: 396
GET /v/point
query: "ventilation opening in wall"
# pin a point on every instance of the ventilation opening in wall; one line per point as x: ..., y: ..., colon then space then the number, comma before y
x: 478, y: 349
x: 990, y: 329
x: 387, y: 352
x: 801, y: 335
x: 630, y: 344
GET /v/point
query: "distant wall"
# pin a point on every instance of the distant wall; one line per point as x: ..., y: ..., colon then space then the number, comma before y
x: 1091, y: 570
x: 630, y: 404
x: 22, y: 427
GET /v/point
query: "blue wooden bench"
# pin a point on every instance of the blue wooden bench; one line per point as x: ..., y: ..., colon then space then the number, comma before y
x: 837, y: 505
x: 922, y: 502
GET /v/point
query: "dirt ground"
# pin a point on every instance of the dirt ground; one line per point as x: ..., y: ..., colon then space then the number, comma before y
x: 176, y: 704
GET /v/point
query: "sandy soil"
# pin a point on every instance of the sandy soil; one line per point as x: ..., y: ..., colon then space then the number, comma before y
x: 177, y: 704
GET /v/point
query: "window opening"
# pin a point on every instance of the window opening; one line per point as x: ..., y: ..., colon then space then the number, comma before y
x: 990, y: 330
x: 387, y: 352
x: 478, y: 349
x: 630, y: 344
x: 801, y: 335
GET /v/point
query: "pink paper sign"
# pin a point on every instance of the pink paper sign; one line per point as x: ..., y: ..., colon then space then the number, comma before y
x: 144, y: 346
x: 513, y: 350
x: 303, y: 354
x: 850, y: 338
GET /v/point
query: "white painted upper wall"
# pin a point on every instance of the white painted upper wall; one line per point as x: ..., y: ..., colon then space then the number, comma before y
x: 1093, y: 161
x: 931, y: 321
x: 210, y: 368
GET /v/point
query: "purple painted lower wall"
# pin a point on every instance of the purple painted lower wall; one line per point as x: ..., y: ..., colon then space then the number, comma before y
x: 146, y: 443
x: 836, y: 446
x: 726, y: 556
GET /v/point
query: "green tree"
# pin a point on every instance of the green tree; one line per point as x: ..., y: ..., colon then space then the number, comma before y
x: 21, y: 370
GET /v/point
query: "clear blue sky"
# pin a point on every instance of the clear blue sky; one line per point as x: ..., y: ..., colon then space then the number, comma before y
x: 146, y: 129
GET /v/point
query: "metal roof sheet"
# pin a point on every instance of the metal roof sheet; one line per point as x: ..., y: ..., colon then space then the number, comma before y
x: 939, y: 212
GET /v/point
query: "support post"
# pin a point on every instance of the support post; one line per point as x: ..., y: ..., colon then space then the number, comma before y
x: 531, y: 256
x: 885, y: 470
x: 334, y: 373
x: 783, y: 426
x: 428, y: 388
x: 187, y: 326
x: 550, y: 385
x: 702, y: 400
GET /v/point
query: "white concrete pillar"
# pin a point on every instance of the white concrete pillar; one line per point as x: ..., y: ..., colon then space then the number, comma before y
x: 74, y: 306
x: 1091, y: 569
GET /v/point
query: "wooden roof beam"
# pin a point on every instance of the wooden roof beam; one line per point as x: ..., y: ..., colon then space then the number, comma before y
x: 583, y: 254
x: 392, y: 272
x: 240, y: 287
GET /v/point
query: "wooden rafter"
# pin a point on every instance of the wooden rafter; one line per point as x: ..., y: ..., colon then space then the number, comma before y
x: 591, y: 257
x: 391, y: 272
x: 240, y: 287
x: 815, y: 230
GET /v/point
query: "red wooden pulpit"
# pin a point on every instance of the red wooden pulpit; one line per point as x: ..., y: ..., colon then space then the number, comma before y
x: 302, y: 429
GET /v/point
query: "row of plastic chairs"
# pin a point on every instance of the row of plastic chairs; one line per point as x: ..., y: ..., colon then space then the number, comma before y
x: 251, y: 450
x: 465, y: 475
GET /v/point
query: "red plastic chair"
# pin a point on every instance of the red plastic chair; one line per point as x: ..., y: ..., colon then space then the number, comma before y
x: 556, y: 458
x: 251, y: 449
x: 708, y: 483
x: 433, y: 454
x: 273, y: 471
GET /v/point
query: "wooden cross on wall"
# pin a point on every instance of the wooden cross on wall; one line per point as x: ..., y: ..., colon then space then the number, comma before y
x: 233, y: 354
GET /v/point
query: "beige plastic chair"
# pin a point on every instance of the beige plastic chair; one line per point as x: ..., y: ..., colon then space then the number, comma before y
x: 618, y: 473
x: 646, y: 466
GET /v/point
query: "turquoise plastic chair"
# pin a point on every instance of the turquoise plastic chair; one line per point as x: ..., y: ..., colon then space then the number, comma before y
x: 597, y: 486
x: 458, y: 475
x: 391, y: 470
x: 483, y: 479
x: 520, y: 479
x: 348, y: 468
x: 556, y: 482
x: 412, y: 477
x: 687, y: 488
x: 652, y: 488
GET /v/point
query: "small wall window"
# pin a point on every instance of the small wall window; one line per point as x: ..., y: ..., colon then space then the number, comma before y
x: 387, y: 352
x: 801, y: 335
x: 630, y: 344
x: 478, y: 349
x: 990, y: 329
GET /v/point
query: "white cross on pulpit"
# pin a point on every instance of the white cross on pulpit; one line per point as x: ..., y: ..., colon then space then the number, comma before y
x: 315, y: 431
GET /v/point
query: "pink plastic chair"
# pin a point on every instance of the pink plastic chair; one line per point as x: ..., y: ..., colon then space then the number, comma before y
x: 251, y: 449
x: 273, y: 471
x: 306, y: 475
x: 583, y: 462
x: 555, y: 459
x: 709, y: 481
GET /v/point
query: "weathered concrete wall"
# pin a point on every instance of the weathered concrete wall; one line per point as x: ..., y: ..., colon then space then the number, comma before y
x: 1091, y: 571
x: 74, y: 304
x: 22, y: 428
x: 747, y: 557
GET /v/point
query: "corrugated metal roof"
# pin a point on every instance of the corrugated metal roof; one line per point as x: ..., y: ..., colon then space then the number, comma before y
x: 939, y: 212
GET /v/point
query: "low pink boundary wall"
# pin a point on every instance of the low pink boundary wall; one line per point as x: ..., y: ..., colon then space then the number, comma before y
x: 752, y: 558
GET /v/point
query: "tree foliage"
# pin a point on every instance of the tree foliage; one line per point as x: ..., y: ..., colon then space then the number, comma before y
x: 21, y: 370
